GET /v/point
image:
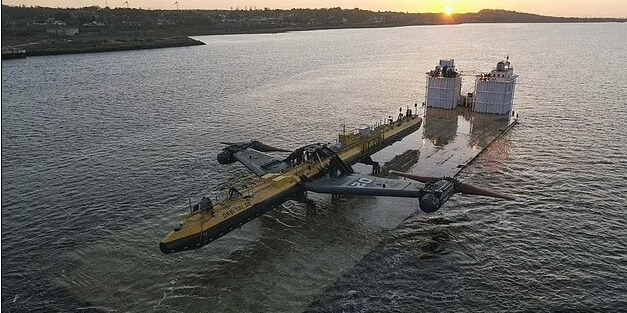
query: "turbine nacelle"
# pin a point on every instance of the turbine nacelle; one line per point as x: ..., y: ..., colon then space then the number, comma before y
x: 436, y: 194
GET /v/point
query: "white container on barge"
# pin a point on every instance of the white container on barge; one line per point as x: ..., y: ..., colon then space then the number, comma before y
x: 444, y: 86
x: 494, y: 91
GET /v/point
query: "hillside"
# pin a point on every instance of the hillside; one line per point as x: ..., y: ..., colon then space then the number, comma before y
x: 60, y: 30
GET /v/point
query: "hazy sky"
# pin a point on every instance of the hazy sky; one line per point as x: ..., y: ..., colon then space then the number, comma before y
x: 583, y: 8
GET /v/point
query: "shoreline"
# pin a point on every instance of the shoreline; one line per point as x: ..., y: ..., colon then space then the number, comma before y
x: 58, y: 46
x: 138, y: 41
x: 364, y: 26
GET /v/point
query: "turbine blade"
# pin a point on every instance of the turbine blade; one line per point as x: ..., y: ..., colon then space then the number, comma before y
x: 265, y: 148
x: 423, y: 179
x: 469, y: 189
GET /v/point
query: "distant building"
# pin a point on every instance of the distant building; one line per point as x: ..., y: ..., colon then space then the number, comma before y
x: 65, y: 32
x: 94, y: 24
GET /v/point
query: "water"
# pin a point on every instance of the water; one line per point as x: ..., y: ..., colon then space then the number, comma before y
x: 101, y: 152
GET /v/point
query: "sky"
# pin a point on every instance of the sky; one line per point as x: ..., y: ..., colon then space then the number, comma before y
x: 576, y: 8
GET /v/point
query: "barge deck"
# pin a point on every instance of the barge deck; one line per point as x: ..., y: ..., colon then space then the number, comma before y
x: 452, y: 139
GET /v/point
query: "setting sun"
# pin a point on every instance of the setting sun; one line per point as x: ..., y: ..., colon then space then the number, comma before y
x: 449, y: 10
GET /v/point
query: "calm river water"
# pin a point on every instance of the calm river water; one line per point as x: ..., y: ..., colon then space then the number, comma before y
x: 101, y: 152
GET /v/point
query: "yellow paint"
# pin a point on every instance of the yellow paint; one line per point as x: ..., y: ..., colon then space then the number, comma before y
x: 272, y: 185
